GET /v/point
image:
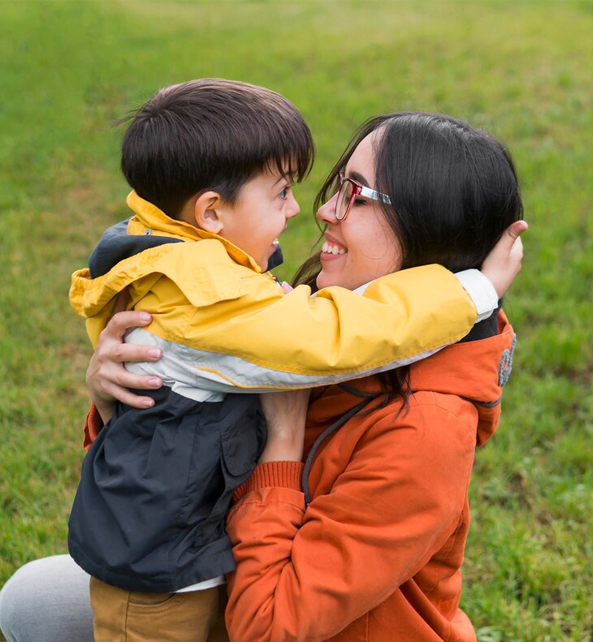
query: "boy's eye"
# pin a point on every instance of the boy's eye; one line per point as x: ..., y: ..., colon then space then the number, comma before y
x: 285, y: 191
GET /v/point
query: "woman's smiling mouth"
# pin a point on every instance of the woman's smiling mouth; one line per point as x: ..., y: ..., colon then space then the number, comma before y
x: 331, y: 249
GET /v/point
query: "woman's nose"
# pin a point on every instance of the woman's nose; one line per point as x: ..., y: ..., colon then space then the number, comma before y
x: 327, y: 212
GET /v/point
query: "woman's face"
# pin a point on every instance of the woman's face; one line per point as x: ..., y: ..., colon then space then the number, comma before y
x: 367, y: 247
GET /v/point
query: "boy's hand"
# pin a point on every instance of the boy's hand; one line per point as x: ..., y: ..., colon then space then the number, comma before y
x: 286, y: 413
x: 106, y: 377
x: 503, y: 263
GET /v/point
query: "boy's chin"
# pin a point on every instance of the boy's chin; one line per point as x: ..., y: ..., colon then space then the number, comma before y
x: 263, y: 262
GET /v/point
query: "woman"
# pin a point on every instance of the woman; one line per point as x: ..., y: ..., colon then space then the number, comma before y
x: 365, y: 539
x: 376, y: 552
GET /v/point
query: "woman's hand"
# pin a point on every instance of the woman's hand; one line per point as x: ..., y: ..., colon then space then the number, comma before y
x: 503, y: 263
x: 285, y: 413
x: 106, y: 377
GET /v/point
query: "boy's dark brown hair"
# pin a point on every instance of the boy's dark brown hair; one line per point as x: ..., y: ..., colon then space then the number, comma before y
x: 212, y: 134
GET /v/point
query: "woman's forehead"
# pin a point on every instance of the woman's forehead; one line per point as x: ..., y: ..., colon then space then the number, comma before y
x: 362, y: 161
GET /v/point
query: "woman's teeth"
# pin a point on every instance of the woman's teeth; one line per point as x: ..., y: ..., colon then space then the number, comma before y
x: 328, y: 248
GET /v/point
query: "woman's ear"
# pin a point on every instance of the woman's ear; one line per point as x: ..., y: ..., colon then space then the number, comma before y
x: 205, y: 213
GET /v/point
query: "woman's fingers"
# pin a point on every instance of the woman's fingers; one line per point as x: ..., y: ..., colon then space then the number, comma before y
x: 120, y: 377
x: 128, y: 352
x: 127, y: 397
x: 110, y: 381
x: 107, y: 379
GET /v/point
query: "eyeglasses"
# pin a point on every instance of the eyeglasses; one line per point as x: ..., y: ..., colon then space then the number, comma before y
x: 348, y: 190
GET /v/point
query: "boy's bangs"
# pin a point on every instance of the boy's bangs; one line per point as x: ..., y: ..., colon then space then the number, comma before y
x: 291, y: 157
x: 212, y: 134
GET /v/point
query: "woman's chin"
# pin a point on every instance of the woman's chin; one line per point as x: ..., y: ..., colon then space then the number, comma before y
x: 322, y: 280
x: 326, y: 280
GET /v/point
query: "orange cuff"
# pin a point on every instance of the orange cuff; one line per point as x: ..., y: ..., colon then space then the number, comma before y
x: 273, y: 474
x: 92, y: 426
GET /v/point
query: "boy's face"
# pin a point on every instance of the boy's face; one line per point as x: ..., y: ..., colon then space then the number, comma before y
x: 259, y: 215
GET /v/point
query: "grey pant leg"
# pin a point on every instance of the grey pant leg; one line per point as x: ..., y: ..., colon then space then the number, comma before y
x: 47, y: 601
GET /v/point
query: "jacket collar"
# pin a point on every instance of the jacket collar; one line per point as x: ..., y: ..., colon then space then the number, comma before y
x: 149, y: 218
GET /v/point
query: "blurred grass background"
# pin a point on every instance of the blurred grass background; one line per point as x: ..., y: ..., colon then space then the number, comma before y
x: 521, y: 70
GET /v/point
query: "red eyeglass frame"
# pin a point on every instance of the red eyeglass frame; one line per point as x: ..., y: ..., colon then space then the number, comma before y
x: 357, y: 190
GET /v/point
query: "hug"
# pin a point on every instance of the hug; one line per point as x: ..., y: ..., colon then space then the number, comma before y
x: 306, y: 451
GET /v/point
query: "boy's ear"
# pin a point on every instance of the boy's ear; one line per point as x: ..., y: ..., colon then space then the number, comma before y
x: 206, y: 214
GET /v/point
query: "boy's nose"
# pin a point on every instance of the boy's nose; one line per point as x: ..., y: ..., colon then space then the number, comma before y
x: 293, y: 207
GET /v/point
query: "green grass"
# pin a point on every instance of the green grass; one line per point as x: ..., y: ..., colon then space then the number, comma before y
x: 521, y: 70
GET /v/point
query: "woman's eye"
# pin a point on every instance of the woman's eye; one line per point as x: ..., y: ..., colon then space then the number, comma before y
x: 359, y: 201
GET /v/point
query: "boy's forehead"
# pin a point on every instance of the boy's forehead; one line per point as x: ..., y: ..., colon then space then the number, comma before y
x: 268, y: 178
x: 264, y: 183
x: 275, y: 173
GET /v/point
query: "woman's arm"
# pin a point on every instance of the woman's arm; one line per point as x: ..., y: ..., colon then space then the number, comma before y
x: 286, y: 414
x: 306, y: 574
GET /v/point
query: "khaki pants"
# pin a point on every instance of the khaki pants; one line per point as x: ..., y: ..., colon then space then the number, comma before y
x: 130, y: 616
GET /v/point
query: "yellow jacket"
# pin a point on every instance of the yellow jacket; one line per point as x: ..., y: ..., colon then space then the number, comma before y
x: 225, y: 324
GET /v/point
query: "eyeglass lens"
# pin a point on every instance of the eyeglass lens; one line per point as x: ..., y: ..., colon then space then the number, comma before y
x: 344, y: 196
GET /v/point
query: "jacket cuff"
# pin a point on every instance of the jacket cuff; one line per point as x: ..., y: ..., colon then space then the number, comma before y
x: 273, y: 474
x: 481, y: 291
x: 92, y: 426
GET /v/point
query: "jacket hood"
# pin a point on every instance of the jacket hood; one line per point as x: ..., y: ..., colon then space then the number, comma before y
x: 149, y: 245
x: 475, y: 370
x: 116, y: 244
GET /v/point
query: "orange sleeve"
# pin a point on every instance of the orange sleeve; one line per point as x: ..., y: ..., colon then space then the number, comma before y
x: 92, y: 426
x: 306, y: 574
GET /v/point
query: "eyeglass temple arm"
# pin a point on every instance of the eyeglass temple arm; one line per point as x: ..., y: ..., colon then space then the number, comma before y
x: 367, y: 192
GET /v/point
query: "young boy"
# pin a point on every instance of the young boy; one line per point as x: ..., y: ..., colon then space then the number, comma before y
x: 212, y: 163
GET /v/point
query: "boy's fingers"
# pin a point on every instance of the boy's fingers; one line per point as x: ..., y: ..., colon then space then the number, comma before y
x: 517, y: 249
x: 516, y: 229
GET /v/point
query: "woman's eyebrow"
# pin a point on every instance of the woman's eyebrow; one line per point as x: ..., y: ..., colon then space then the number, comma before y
x: 358, y: 177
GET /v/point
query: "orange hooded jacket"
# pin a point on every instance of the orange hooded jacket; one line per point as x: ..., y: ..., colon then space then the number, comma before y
x: 376, y: 555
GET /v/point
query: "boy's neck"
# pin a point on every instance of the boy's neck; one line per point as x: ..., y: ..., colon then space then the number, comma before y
x: 187, y: 214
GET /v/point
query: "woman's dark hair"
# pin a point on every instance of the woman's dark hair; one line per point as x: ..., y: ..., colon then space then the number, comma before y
x: 212, y: 134
x: 453, y: 191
